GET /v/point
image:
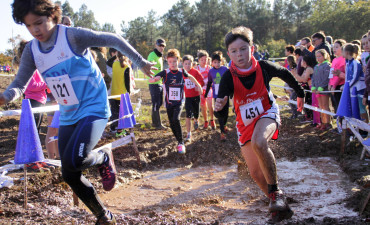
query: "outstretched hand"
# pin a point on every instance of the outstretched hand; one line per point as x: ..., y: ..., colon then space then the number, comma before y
x: 300, y: 104
x: 2, y: 99
x: 147, y: 69
x: 220, y: 103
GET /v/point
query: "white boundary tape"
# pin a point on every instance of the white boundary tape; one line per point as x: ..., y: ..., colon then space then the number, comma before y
x: 52, y: 108
x: 288, y: 88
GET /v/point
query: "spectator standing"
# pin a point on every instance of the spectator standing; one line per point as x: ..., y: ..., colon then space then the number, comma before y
x: 156, y: 88
x: 101, y: 61
x: 337, y: 73
x: 306, y: 42
x: 319, y: 41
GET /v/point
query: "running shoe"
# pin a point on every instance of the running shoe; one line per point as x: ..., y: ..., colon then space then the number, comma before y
x: 213, y: 125
x: 181, y: 149
x: 277, y: 201
x: 278, y: 216
x: 106, y: 219
x: 121, y: 134
x: 226, y: 130
x: 107, y: 170
x: 196, y: 125
x: 222, y: 137
x: 205, y: 126
x: 37, y: 166
x: 188, y: 138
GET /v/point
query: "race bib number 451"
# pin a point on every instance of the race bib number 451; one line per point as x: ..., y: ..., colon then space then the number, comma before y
x: 174, y: 94
x: 251, y: 111
x: 62, y: 90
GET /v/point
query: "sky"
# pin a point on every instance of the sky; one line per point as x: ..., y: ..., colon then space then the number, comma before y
x: 105, y: 11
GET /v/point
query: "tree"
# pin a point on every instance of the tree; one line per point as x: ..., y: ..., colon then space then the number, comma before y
x: 108, y: 27
x: 67, y: 10
x: 85, y: 18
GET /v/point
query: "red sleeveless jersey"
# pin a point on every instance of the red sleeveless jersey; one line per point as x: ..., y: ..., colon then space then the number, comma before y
x: 252, y: 104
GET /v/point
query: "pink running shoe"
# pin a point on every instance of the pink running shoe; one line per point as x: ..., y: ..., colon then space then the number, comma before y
x: 181, y: 149
x: 108, y: 171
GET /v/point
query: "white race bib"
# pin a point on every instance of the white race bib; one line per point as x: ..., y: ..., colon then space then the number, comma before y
x: 62, y: 90
x: 216, y: 88
x: 189, y: 84
x: 251, y: 111
x: 174, y: 94
x: 331, y: 75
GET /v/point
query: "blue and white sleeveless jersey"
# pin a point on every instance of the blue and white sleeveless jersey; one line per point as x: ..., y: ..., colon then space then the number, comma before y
x: 74, y: 80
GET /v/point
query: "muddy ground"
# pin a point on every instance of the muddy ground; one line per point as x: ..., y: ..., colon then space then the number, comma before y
x: 50, y: 199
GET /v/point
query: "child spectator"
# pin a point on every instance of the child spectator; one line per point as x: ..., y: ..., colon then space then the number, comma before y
x: 173, y: 78
x: 299, y: 57
x: 367, y: 75
x: 289, y: 50
x: 320, y: 81
x: 214, y: 79
x: 337, y: 73
x: 292, y: 65
x: 355, y: 74
x: 305, y: 80
x: 192, y: 97
x: 366, y: 51
x: 121, y: 78
x: 205, y: 103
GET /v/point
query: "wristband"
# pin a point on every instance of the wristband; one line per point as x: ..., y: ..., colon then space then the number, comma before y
x: 313, y: 88
x: 320, y: 89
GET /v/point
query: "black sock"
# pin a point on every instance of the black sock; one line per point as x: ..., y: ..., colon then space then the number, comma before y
x: 272, y: 188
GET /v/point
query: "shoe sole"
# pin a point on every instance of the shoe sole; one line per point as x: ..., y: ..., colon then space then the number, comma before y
x: 280, y: 216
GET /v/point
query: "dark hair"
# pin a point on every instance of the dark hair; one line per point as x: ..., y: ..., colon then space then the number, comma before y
x: 241, y: 32
x: 22, y: 45
x: 217, y: 55
x: 291, y: 61
x: 290, y: 48
x: 123, y: 60
x: 38, y: 7
x: 356, y: 42
x: 352, y: 49
x: 111, y: 50
x: 202, y: 53
x: 311, y: 62
x: 364, y: 36
x: 298, y: 51
x: 319, y: 35
x: 173, y: 53
x: 307, y: 39
x: 188, y: 57
x: 340, y: 42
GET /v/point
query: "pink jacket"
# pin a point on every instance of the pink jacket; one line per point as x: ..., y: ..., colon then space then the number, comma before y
x: 338, y: 64
x: 36, y: 88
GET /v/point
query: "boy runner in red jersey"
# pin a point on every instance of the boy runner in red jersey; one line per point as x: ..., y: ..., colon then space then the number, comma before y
x: 257, y: 113
x: 192, y: 96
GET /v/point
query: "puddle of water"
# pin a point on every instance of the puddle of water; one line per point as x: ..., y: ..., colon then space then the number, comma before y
x: 217, y: 192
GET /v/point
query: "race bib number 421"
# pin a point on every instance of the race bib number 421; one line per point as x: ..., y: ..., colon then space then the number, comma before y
x: 251, y: 111
x: 62, y: 90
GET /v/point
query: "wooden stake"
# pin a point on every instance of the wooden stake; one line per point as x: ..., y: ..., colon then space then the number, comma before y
x: 135, y: 147
x: 25, y: 186
x: 365, y: 204
x: 75, y: 199
x: 343, y: 139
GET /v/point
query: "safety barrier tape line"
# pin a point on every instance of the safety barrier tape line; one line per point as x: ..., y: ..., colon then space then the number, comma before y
x: 288, y: 88
x: 46, y: 109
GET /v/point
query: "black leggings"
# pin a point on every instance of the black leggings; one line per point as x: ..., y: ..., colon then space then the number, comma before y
x: 114, y: 108
x: 192, y: 105
x: 222, y: 116
x: 75, y: 143
x: 173, y: 113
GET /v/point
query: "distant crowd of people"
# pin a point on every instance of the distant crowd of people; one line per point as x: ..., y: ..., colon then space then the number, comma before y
x: 322, y: 66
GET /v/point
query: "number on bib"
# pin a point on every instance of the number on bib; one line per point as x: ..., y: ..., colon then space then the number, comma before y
x: 331, y: 75
x: 251, y: 111
x: 62, y: 90
x: 189, y: 84
x: 175, y: 94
